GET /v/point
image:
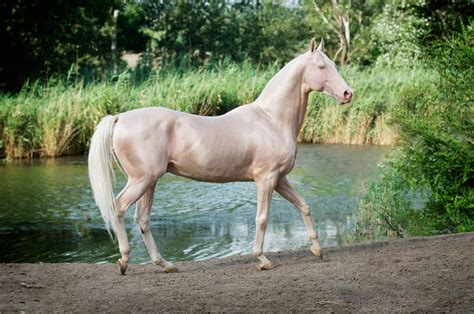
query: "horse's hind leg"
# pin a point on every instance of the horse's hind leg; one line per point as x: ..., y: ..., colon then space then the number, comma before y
x: 142, y: 219
x: 129, y: 195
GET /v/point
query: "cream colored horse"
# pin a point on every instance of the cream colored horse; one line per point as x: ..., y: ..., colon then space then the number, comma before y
x: 255, y: 142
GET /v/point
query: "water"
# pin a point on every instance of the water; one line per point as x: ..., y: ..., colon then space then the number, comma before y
x: 47, y: 213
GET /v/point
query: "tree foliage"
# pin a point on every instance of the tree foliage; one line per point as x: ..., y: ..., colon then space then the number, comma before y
x: 196, y: 33
x: 49, y: 37
x: 41, y: 39
x: 74, y: 37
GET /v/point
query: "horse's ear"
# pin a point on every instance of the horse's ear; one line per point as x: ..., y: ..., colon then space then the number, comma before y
x: 321, y: 45
x: 312, y: 45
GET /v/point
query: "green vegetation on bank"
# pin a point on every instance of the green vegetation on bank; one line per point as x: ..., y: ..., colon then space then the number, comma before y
x: 366, y: 120
x: 57, y: 119
x: 426, y: 186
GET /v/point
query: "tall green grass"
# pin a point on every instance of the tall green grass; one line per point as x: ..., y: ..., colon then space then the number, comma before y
x: 366, y: 120
x: 58, y: 118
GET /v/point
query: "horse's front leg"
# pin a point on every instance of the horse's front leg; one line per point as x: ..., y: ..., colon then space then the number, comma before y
x: 284, y: 188
x: 265, y: 186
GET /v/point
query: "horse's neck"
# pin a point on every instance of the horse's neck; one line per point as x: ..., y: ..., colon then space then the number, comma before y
x: 284, y: 97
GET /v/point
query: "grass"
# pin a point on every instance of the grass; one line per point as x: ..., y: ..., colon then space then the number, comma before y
x: 57, y: 118
x: 366, y: 120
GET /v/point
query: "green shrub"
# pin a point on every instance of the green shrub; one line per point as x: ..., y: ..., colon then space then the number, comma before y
x: 435, y: 160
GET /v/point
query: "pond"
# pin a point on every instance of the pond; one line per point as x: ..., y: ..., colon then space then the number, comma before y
x: 47, y: 213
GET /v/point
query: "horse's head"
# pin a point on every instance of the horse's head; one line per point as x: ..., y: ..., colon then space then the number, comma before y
x: 321, y: 75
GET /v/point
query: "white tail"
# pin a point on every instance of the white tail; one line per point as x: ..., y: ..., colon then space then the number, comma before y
x: 101, y: 173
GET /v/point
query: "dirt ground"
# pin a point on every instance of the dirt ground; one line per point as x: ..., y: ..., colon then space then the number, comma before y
x: 420, y: 274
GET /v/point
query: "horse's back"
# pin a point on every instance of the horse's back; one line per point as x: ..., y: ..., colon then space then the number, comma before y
x: 140, y: 140
x: 155, y: 139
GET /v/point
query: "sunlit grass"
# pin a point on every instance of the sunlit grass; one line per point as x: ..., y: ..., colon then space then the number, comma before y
x: 366, y: 119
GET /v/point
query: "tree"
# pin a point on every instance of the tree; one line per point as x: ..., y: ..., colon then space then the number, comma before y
x: 195, y: 33
x: 337, y: 17
x: 43, y: 38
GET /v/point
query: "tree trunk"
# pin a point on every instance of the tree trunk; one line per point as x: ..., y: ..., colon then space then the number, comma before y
x: 340, y: 24
x: 113, y: 46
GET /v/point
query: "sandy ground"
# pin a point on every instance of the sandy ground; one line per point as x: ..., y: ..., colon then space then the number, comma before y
x: 421, y: 274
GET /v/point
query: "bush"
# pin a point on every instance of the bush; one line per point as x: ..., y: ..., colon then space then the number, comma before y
x: 397, y: 32
x: 435, y: 160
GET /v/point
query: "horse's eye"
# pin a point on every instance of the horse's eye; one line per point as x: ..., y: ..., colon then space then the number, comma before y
x: 321, y: 67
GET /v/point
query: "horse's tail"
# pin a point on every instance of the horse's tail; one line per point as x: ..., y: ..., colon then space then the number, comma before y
x: 101, y: 173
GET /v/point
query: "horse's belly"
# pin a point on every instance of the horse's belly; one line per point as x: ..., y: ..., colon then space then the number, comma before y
x: 212, y: 170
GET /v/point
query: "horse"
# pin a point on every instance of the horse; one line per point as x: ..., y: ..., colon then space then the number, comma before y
x: 254, y: 142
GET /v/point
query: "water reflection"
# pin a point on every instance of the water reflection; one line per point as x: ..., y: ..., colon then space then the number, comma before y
x: 47, y: 212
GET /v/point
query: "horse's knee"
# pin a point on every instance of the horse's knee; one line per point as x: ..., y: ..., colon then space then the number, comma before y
x: 305, y: 211
x: 261, y: 223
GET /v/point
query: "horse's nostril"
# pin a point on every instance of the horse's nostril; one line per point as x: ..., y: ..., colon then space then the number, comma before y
x: 348, y: 94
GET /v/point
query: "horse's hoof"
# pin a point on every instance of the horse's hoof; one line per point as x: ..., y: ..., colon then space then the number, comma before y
x: 171, y: 269
x: 317, y: 252
x: 122, y: 265
x: 266, y: 266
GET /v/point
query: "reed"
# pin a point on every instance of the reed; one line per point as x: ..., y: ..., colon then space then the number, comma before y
x: 366, y: 120
x: 58, y: 118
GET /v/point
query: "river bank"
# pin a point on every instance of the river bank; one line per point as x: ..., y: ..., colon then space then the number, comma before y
x: 421, y: 274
